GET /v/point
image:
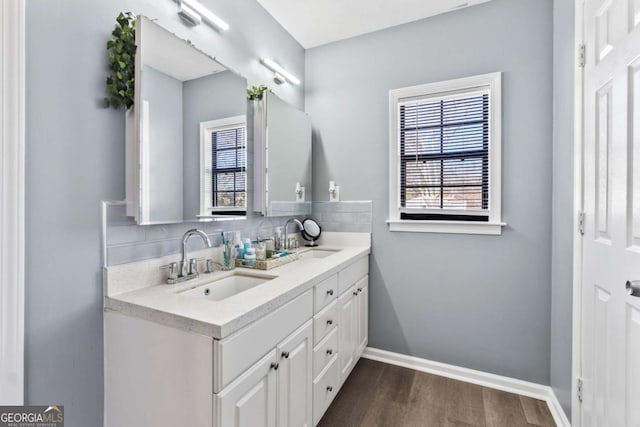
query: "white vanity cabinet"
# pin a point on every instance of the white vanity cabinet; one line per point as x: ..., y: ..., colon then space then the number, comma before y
x: 283, y: 369
x: 295, y: 378
x: 276, y: 391
x: 347, y: 306
x: 251, y: 400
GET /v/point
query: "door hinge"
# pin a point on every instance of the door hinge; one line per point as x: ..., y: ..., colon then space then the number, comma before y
x: 580, y: 389
x: 582, y: 55
x: 581, y: 216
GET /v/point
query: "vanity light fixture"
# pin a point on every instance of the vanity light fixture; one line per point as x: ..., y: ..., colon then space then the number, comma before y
x: 280, y: 73
x: 193, y: 11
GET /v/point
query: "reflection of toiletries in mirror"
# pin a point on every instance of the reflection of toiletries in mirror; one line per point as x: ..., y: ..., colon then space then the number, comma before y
x: 299, y: 192
x: 334, y: 191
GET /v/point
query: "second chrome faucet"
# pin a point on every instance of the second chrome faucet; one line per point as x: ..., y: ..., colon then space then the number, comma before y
x: 188, y: 268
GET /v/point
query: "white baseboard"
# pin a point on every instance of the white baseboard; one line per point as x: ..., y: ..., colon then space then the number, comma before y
x: 498, y: 382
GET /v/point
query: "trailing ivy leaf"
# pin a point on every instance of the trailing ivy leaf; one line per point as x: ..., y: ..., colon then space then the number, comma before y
x: 121, y: 48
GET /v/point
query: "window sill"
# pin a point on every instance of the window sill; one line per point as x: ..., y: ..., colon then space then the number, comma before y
x: 453, y: 227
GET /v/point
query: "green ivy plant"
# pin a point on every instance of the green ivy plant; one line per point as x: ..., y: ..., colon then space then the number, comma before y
x: 122, y: 51
x: 257, y: 92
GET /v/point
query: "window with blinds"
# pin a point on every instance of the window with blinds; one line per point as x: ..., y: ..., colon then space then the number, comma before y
x: 224, y: 167
x: 445, y: 155
x: 444, y: 158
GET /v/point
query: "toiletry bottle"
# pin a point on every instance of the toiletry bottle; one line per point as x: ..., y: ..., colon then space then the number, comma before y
x: 238, y: 246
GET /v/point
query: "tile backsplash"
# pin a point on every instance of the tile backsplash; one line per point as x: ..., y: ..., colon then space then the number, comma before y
x: 124, y: 241
x: 344, y: 216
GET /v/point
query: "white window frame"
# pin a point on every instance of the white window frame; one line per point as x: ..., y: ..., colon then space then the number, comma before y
x: 492, y: 83
x: 206, y: 128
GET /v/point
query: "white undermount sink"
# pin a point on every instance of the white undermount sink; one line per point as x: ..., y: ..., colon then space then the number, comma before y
x: 226, y: 287
x: 316, y: 253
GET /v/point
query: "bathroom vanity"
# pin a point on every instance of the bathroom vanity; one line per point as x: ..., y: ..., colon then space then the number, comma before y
x: 235, y: 348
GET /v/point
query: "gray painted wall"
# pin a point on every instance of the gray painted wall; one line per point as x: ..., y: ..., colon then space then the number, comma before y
x: 75, y: 158
x: 164, y: 95
x: 481, y: 302
x: 562, y: 207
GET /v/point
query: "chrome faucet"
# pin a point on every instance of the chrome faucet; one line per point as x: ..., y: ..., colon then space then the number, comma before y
x: 286, y: 225
x: 186, y: 267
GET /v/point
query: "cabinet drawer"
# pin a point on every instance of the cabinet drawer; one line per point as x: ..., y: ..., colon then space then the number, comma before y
x: 325, y: 292
x: 324, y: 322
x: 325, y: 388
x: 235, y: 354
x: 352, y: 273
x: 324, y: 352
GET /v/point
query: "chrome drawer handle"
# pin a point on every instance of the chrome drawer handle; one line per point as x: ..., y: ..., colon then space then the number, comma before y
x: 330, y: 292
x: 355, y: 293
x: 275, y: 366
x: 329, y: 389
x: 329, y: 351
x: 285, y: 354
x: 329, y: 322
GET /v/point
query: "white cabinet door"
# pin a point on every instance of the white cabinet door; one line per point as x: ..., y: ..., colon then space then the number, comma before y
x: 362, y: 288
x: 250, y: 401
x: 347, y: 329
x: 295, y: 378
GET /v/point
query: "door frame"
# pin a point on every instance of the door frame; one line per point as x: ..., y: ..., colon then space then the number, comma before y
x: 12, y: 173
x: 578, y: 206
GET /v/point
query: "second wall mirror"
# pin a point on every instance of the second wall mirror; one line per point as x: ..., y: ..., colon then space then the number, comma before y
x: 190, y: 133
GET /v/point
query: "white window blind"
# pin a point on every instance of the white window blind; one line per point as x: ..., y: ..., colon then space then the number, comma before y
x: 224, y: 166
x: 444, y: 157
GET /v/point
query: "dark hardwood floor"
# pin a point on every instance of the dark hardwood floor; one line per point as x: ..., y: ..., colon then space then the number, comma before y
x: 378, y: 394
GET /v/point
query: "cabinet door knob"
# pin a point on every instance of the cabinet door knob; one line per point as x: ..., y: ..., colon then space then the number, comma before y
x: 330, y: 292
x: 329, y: 388
x: 329, y: 351
x: 329, y: 322
x: 275, y: 366
x: 285, y: 354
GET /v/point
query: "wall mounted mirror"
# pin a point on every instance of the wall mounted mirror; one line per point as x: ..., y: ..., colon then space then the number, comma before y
x: 187, y: 160
x: 282, y: 155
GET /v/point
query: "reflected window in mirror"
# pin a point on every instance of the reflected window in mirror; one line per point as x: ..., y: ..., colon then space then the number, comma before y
x: 223, y: 167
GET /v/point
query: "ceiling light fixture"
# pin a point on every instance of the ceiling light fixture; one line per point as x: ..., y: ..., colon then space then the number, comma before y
x: 280, y: 73
x: 193, y: 11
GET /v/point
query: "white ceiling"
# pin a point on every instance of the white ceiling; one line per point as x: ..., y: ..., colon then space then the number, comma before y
x: 317, y: 22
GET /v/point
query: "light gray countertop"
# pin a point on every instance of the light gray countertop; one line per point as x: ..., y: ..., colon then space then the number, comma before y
x: 138, y: 290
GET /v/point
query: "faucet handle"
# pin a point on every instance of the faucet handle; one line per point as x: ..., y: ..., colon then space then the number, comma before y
x: 193, y: 265
x: 173, y: 270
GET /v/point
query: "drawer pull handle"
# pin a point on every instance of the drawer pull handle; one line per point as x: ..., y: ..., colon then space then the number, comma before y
x: 329, y: 389
x: 329, y: 351
x: 355, y: 293
x: 285, y: 354
x: 275, y: 366
x: 329, y: 322
x: 330, y: 292
x: 359, y: 290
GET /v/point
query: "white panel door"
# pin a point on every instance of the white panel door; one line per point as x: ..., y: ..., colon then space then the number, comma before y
x: 295, y: 380
x: 347, y: 330
x: 250, y: 401
x: 610, y: 364
x: 12, y: 189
